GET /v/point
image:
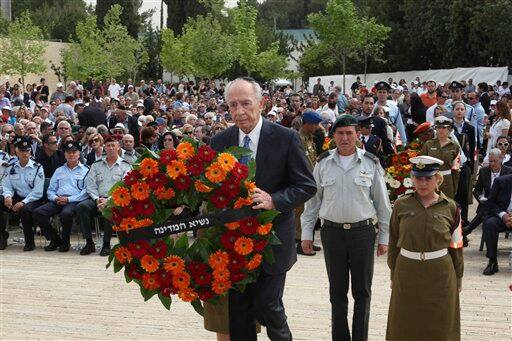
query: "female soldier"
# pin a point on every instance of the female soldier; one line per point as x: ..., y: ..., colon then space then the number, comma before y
x: 447, y: 150
x: 425, y: 259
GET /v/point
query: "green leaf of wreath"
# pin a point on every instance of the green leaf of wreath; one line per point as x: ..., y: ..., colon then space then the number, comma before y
x: 147, y: 294
x: 273, y: 239
x: 266, y: 217
x: 198, y: 306
x: 117, y: 266
x: 166, y: 300
x: 126, y: 276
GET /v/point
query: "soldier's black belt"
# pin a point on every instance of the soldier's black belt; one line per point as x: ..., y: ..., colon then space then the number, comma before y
x: 349, y: 226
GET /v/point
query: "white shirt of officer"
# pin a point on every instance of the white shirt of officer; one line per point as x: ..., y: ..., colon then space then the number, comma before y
x: 27, y: 182
x: 70, y: 183
x: 101, y: 177
x: 348, y: 191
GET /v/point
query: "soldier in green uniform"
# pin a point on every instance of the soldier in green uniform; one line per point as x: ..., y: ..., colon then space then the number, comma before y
x: 443, y: 147
x: 425, y: 259
x: 310, y: 121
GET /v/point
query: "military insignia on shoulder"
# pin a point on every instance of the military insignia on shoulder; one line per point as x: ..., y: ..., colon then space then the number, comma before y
x: 371, y: 156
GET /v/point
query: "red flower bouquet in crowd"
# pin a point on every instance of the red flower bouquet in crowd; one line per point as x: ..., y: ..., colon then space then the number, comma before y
x: 225, y: 256
x: 398, y: 174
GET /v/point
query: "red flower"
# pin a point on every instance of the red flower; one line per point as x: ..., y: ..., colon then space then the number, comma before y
x: 230, y: 188
x: 167, y: 156
x: 164, y: 278
x: 249, y: 225
x: 145, y: 208
x: 117, y: 215
x: 240, y: 171
x: 259, y: 245
x: 219, y: 199
x: 166, y: 291
x: 133, y: 272
x: 195, y: 166
x: 236, y: 262
x: 206, y: 153
x: 237, y: 277
x: 132, y: 177
x: 196, y: 268
x: 182, y: 182
x: 203, y: 279
x: 139, y: 249
x: 228, y: 239
x: 158, y: 250
x: 158, y: 180
x: 205, y: 294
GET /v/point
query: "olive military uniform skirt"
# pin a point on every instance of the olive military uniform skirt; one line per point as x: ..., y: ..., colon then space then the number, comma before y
x: 424, y: 301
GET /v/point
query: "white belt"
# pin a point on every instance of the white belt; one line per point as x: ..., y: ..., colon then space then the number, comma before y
x: 446, y: 172
x: 423, y: 255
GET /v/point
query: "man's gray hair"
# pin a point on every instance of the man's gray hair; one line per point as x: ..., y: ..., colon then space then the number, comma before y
x: 495, y: 152
x: 255, y: 86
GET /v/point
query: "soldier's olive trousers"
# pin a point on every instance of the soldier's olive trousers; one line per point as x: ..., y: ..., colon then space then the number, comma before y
x: 86, y: 211
x: 349, y: 254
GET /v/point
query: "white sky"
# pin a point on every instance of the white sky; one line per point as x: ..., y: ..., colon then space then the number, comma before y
x: 149, y: 4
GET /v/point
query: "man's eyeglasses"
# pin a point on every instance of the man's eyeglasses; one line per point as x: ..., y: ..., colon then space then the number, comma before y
x: 503, y: 144
x: 188, y: 132
x: 52, y: 142
x: 445, y: 97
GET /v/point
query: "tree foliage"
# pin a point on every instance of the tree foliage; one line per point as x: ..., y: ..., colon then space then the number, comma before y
x: 130, y: 15
x: 178, y: 11
x: 173, y: 55
x: 22, y: 49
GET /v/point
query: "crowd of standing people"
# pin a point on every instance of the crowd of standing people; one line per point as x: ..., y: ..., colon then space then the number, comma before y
x: 61, y: 153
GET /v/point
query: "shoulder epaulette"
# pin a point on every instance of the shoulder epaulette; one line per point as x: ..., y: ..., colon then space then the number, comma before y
x: 371, y: 156
x: 98, y: 161
x: 323, y: 156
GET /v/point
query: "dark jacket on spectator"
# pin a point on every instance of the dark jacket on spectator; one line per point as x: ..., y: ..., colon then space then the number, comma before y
x: 133, y: 127
x: 92, y: 116
x: 50, y: 163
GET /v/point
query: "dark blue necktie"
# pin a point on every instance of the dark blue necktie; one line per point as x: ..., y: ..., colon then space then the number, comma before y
x: 245, y: 159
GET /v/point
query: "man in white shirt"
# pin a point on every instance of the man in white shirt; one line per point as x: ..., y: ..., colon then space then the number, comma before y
x: 114, y: 89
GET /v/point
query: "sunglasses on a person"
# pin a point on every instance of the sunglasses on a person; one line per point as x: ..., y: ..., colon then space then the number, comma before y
x: 188, y: 132
x: 94, y: 140
x: 503, y: 144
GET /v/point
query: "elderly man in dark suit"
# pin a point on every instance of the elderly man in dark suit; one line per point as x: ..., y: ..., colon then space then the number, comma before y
x: 482, y: 190
x: 498, y: 220
x: 284, y: 181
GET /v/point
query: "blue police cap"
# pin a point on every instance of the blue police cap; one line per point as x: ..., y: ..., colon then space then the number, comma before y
x: 311, y: 117
x: 71, y: 146
x: 382, y: 86
x: 23, y: 142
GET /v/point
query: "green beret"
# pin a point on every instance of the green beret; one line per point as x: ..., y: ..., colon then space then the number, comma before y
x: 345, y: 120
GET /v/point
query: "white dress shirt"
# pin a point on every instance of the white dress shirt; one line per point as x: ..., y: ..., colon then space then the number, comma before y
x: 254, y: 135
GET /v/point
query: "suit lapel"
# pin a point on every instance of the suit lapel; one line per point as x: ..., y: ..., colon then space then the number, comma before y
x: 264, y: 143
x: 233, y: 137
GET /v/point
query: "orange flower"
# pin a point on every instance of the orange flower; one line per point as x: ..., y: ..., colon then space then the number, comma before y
x: 128, y: 224
x: 251, y: 186
x: 164, y: 193
x: 187, y: 295
x: 181, y: 280
x: 148, y: 167
x: 140, y: 191
x: 123, y: 255
x: 243, y: 246
x: 226, y: 161
x: 174, y: 264
x: 149, y: 263
x: 185, y: 150
x: 145, y: 222
x: 240, y: 202
x: 220, y: 287
x: 176, y: 168
x: 218, y: 260
x: 221, y: 274
x: 121, y: 196
x: 150, y: 281
x: 215, y: 173
x: 254, y: 262
x: 232, y: 226
x: 201, y: 187
x: 264, y: 229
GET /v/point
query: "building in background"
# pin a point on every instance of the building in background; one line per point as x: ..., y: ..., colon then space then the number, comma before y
x: 5, y: 7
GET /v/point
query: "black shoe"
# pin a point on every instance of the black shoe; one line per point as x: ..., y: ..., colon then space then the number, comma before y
x: 105, y: 251
x: 300, y: 251
x: 3, y: 241
x: 88, y: 249
x: 491, y: 268
x: 64, y: 247
x: 465, y: 241
x: 29, y: 247
x: 54, y: 245
x: 316, y: 248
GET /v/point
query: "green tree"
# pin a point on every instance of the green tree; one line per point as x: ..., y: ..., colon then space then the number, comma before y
x: 245, y: 42
x: 173, y: 55
x: 178, y: 11
x: 206, y: 33
x: 270, y: 64
x: 373, y: 36
x: 22, y: 49
x: 152, y: 42
x: 130, y: 16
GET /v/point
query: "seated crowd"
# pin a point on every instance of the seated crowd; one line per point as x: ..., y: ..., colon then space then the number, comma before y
x: 61, y: 153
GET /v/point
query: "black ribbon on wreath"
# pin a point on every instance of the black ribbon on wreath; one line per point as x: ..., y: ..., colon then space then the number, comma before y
x: 175, y: 224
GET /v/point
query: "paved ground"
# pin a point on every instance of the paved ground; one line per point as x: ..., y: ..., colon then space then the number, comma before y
x: 66, y: 296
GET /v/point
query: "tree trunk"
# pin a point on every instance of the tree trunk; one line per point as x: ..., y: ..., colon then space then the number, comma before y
x: 365, y: 65
x: 343, y: 62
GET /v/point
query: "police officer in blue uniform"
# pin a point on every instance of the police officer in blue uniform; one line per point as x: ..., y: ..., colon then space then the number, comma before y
x: 22, y: 186
x: 395, y: 117
x: 65, y: 192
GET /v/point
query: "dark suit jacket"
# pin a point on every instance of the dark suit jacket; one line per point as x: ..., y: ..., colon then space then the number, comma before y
x: 467, y: 142
x: 133, y: 127
x: 483, y: 185
x: 499, y: 198
x: 379, y: 130
x: 282, y: 170
x: 485, y: 101
x: 92, y: 116
x: 372, y: 144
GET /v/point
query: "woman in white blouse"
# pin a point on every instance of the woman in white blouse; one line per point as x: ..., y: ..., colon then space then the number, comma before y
x: 500, y: 126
